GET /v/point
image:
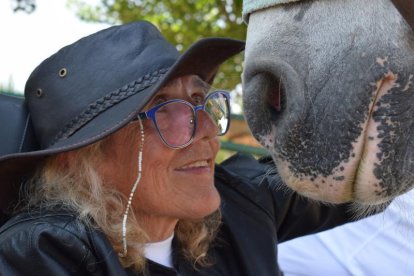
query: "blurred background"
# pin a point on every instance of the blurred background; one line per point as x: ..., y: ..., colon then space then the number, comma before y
x: 32, y: 30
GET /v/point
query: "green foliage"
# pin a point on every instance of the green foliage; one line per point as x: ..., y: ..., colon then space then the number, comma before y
x: 181, y: 21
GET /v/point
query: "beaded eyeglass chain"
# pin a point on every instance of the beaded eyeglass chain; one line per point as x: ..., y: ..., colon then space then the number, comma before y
x: 124, y: 251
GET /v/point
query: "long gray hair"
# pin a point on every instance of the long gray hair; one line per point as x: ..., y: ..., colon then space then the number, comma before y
x: 72, y: 180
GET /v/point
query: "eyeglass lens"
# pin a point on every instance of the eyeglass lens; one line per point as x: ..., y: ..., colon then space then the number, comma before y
x: 176, y: 120
x: 218, y: 109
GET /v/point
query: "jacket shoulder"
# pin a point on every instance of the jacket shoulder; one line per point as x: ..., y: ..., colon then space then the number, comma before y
x: 255, y: 185
x: 248, y: 167
x: 34, y: 225
x: 36, y: 219
x: 248, y: 183
x: 53, y: 242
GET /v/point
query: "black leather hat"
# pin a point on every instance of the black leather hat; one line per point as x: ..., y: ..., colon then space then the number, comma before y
x: 95, y: 86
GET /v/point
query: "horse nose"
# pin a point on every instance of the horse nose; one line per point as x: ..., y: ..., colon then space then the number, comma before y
x: 272, y: 82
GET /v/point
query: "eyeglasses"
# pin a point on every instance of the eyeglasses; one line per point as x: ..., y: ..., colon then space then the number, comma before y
x: 176, y: 120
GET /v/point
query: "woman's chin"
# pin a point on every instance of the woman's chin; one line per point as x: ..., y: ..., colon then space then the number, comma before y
x: 204, y: 206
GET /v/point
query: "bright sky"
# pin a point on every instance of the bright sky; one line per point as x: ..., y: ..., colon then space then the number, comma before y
x: 28, y: 39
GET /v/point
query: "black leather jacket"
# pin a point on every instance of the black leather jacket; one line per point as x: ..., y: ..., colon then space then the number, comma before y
x: 257, y: 214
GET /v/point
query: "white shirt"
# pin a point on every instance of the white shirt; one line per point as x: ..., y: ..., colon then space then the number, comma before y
x: 382, y: 244
x: 160, y: 252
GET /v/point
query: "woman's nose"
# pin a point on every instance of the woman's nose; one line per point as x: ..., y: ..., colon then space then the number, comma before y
x: 206, y: 128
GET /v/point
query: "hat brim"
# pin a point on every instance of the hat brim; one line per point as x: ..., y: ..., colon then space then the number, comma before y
x: 203, y: 58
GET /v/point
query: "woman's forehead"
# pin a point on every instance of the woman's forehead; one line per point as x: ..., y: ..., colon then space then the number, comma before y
x: 189, y: 83
x: 192, y: 80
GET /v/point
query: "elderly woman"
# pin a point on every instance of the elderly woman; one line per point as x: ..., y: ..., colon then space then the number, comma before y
x: 122, y: 179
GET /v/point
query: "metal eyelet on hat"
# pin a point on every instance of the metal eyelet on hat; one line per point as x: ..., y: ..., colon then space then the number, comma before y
x: 63, y: 72
x: 39, y: 92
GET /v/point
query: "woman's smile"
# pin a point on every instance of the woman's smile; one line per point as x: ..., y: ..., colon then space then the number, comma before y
x: 197, y: 167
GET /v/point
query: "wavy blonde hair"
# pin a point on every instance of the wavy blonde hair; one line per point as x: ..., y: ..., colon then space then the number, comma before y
x: 71, y: 179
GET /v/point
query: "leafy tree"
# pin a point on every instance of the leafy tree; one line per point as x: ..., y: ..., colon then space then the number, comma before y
x: 181, y: 21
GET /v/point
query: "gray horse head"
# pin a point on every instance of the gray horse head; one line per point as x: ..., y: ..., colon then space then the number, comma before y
x: 329, y: 90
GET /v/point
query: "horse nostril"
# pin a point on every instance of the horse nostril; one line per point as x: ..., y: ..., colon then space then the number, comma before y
x: 276, y: 96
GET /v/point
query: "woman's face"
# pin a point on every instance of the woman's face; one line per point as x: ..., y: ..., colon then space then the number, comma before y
x: 176, y: 183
